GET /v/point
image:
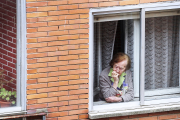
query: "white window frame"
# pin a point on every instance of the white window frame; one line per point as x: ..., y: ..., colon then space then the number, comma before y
x: 141, y: 106
x: 21, y: 65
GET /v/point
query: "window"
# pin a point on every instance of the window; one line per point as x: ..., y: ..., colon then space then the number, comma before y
x: 150, y: 35
x: 12, y: 56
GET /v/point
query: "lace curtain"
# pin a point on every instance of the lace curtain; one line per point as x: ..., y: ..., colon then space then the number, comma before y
x: 162, y: 52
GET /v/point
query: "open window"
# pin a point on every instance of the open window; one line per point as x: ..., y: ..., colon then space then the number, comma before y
x: 150, y: 35
x: 12, y: 56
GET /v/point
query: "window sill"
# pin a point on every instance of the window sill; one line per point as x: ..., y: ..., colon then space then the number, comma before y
x: 133, y: 110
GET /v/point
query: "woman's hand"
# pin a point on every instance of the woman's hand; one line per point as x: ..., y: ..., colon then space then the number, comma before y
x: 113, y: 99
x: 116, y: 79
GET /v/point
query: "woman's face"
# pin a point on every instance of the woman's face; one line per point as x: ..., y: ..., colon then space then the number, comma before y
x: 120, y: 67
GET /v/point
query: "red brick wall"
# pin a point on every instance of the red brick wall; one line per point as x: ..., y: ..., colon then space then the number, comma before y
x: 8, y: 41
x: 57, y: 57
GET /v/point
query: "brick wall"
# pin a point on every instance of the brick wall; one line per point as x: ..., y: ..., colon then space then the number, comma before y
x: 8, y: 41
x: 57, y: 48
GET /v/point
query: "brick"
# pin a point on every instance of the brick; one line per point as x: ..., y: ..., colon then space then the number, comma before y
x: 68, y: 17
x: 42, y: 95
x: 80, y: 51
x: 62, y: 12
x: 36, y: 4
x: 84, y: 16
x: 78, y: 11
x: 72, y: 97
x: 71, y: 72
x: 69, y: 67
x: 66, y: 7
x: 51, y: 84
x: 57, y: 43
x: 46, y: 100
x: 32, y: 61
x: 35, y: 86
x: 78, y: 21
x: 50, y: 74
x: 84, y: 106
x: 39, y: 34
x: 36, y: 45
x: 68, y: 37
x: 36, y: 106
x: 120, y: 118
x: 83, y: 96
x: 57, y: 114
x: 83, y: 116
x: 31, y: 50
x: 72, y: 112
x: 69, y: 77
x: 84, y: 36
x: 97, y: 0
x: 158, y: 113
x: 63, y: 103
x: 57, y: 53
x: 29, y: 102
x: 68, y: 117
x: 52, y: 89
x: 48, y: 28
x: 88, y: 5
x: 36, y: 55
x: 53, y: 33
x: 49, y: 79
x: 47, y: 49
x: 78, y: 61
x: 68, y: 47
x: 71, y: 82
x: 70, y: 87
x: 77, y: 1
x: 84, y: 46
x: 38, y: 24
x: 48, y: 8
x: 84, y: 56
x: 78, y: 41
x: 149, y: 118
x: 31, y: 30
x: 65, y: 108
x: 31, y: 9
x: 40, y: 75
x: 129, y: 2
x: 48, y: 69
x: 105, y: 4
x: 54, y: 109
x: 38, y: 65
x: 32, y: 81
x: 57, y: 2
x: 51, y: 18
x: 36, y: 14
x: 80, y: 91
x: 173, y: 116
x: 31, y: 71
x: 83, y: 26
x: 43, y: 39
x: 69, y: 57
x: 31, y: 91
x: 68, y: 27
x: 62, y: 22
x: 137, y: 116
x: 29, y: 20
x: 57, y: 63
x: 47, y: 59
x: 148, y: 1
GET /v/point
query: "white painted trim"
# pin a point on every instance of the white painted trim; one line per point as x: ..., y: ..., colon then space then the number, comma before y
x: 142, y: 58
x: 136, y: 56
x: 10, y: 110
x: 162, y: 101
x: 91, y: 57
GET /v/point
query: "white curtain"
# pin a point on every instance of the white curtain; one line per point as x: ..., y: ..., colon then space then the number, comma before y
x: 162, y: 52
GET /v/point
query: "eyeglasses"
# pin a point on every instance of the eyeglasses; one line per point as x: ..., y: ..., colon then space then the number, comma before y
x: 118, y: 67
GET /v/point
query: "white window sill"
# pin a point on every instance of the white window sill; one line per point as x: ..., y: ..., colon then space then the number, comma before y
x: 105, y: 113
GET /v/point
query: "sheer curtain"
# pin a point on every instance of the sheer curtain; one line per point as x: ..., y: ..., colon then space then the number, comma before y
x: 162, y: 52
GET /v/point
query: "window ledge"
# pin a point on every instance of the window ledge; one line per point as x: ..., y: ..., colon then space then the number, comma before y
x: 133, y: 111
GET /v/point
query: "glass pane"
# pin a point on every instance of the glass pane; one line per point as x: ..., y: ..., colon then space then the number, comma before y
x: 162, y: 54
x: 7, y: 53
x: 110, y: 38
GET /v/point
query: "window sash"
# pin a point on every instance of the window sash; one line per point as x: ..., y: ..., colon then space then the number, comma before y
x: 114, y: 10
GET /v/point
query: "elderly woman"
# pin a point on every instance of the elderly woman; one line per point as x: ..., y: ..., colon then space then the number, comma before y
x: 115, y: 81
